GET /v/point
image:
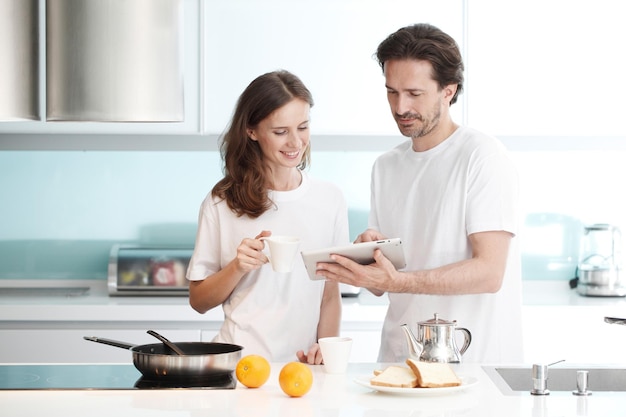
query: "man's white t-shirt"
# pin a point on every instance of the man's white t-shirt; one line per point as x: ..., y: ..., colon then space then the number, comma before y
x: 272, y: 314
x: 433, y: 201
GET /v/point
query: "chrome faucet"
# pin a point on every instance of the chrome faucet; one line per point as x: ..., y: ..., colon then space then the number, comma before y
x: 540, y: 378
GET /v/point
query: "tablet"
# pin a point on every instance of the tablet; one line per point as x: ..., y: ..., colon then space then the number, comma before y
x: 362, y: 253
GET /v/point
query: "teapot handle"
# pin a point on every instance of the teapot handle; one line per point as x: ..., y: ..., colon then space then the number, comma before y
x: 467, y: 339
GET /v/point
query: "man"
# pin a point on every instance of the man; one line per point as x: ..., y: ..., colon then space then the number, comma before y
x: 451, y: 194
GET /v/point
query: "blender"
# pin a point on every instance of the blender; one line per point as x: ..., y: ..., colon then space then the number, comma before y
x: 599, y: 263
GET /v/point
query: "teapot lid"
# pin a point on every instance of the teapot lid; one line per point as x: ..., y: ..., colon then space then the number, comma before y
x: 436, y: 321
x: 601, y: 227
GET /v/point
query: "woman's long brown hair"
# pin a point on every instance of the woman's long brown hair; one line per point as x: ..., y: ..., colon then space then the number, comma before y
x: 245, y: 182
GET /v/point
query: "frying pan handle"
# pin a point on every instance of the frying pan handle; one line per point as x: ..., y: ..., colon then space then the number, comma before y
x: 166, y: 342
x: 615, y: 320
x: 110, y: 342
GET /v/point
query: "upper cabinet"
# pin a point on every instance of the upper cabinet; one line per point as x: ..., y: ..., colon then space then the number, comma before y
x: 329, y: 44
x: 114, y: 66
x: 547, y: 68
x: 114, y: 61
x: 533, y: 68
x: 19, y: 60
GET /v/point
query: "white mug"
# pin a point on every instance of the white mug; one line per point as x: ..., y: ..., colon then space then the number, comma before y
x: 336, y: 353
x: 283, y: 251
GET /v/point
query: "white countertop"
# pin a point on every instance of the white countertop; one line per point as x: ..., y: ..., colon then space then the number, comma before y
x: 558, y: 293
x: 331, y: 395
x: 97, y: 305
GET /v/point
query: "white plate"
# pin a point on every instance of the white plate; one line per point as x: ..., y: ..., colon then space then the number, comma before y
x: 466, y: 382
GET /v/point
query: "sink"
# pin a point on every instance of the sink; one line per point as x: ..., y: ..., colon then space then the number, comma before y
x: 517, y: 380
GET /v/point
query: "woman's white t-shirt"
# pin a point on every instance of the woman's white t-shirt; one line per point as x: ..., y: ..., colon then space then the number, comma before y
x: 268, y: 313
x: 434, y: 200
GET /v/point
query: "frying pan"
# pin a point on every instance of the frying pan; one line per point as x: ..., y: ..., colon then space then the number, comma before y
x: 201, y: 359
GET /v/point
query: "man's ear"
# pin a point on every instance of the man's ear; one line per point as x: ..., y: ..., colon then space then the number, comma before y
x: 449, y: 91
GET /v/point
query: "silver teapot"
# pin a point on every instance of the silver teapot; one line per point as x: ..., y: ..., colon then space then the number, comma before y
x: 435, y: 341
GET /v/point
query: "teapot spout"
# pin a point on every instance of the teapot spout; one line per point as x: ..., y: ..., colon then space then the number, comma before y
x: 415, y: 347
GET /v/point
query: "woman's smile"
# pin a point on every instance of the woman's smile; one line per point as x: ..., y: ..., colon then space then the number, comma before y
x: 291, y: 154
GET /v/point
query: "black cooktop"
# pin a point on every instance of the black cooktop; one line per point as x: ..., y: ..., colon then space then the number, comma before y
x: 100, y: 377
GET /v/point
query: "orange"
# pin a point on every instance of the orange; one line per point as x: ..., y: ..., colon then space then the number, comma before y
x: 253, y: 371
x: 295, y: 379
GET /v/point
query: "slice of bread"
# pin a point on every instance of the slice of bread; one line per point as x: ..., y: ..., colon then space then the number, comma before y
x: 395, y: 376
x: 433, y: 374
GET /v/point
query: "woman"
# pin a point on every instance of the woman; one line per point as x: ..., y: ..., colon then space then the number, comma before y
x: 265, y: 191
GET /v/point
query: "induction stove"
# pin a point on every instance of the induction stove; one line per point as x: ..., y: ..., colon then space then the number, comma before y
x: 99, y: 377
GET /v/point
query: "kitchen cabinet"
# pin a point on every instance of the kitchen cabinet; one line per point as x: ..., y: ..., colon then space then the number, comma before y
x: 64, y: 345
x: 330, y: 44
x: 327, y: 43
x: 558, y: 324
x: 539, y: 68
x: 229, y: 43
x: 208, y: 335
x: 191, y: 78
x: 49, y: 326
x: 365, y: 344
x: 575, y: 334
x: 366, y: 341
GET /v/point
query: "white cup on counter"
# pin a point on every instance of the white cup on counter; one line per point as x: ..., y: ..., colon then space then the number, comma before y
x: 336, y: 353
x: 283, y: 251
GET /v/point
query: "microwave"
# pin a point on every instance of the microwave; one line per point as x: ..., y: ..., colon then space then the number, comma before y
x: 159, y: 271
x: 143, y: 270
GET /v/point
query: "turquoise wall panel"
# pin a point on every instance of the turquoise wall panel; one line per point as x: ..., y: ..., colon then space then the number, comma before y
x: 62, y: 211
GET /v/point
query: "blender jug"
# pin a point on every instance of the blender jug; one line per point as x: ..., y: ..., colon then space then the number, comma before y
x: 599, y: 264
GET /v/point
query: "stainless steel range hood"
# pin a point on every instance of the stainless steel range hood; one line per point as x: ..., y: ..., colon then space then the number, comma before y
x: 114, y: 60
x: 19, y: 60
